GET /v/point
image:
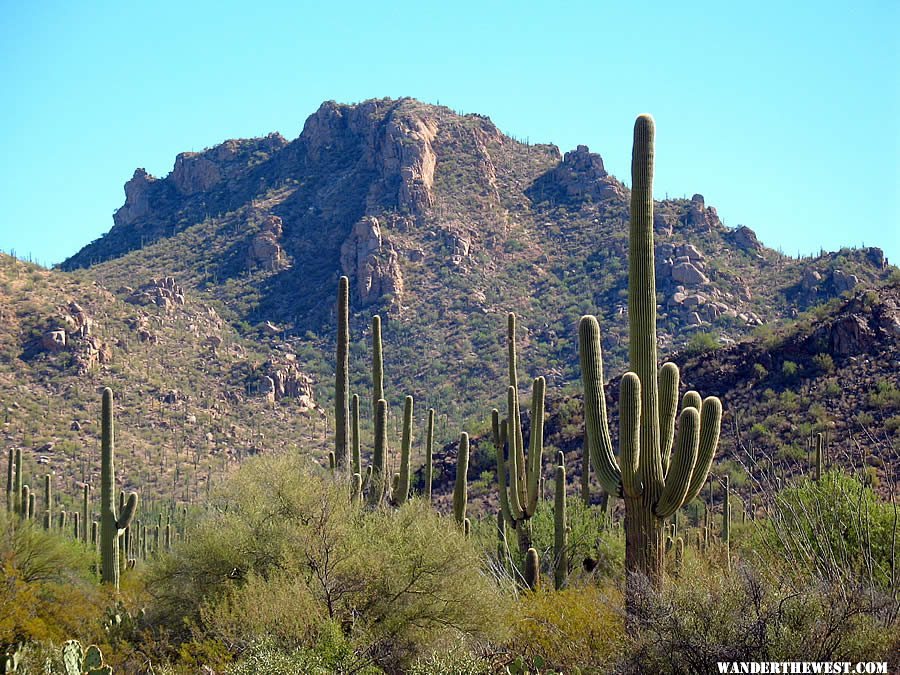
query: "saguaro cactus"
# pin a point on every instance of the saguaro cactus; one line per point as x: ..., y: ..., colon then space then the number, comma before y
x: 111, y: 525
x: 377, y: 363
x: 378, y: 481
x: 19, y: 484
x: 656, y: 472
x: 820, y: 455
x: 342, y: 379
x: 402, y: 492
x: 48, y: 501
x: 519, y: 478
x: 10, y: 479
x: 85, y: 511
x: 354, y: 416
x: 460, y: 488
x: 429, y: 452
x: 532, y: 569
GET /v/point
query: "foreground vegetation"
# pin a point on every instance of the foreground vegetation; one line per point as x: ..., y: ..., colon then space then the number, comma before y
x: 280, y: 572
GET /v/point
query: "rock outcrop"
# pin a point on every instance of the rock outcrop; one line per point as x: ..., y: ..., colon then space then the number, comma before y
x: 370, y: 262
x: 265, y: 247
x: 579, y: 177
x: 163, y: 293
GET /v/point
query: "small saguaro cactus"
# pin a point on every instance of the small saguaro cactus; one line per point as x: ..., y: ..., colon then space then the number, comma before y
x: 679, y: 555
x: 656, y: 471
x: 19, y: 484
x: 25, y: 500
x: 402, y: 492
x: 820, y: 455
x: 112, y: 526
x: 342, y: 379
x: 560, y: 530
x: 460, y: 488
x: 86, y: 510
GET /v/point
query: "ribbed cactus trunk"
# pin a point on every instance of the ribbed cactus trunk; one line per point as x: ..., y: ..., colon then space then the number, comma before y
x: 342, y: 379
x: 10, y: 482
x: 85, y: 511
x: 357, y: 446
x: 377, y: 363
x: 429, y: 454
x: 378, y: 481
x: 644, y: 536
x: 402, y: 492
x: 19, y: 483
x: 111, y: 526
x: 48, y: 501
x: 460, y: 488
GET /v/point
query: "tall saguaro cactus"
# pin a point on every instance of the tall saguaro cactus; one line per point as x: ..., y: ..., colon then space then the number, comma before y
x: 342, y: 379
x: 111, y: 525
x: 656, y: 471
x: 48, y: 501
x: 377, y: 363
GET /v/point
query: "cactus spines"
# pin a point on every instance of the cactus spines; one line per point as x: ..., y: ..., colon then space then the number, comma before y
x: 342, y: 378
x: 402, y: 492
x: 560, y: 532
x: 460, y: 488
x: 111, y: 525
x: 532, y: 569
x: 429, y: 450
x: 658, y: 470
x: 354, y: 417
x: 377, y: 482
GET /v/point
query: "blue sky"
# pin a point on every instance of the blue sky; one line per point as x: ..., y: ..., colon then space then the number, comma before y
x: 784, y: 115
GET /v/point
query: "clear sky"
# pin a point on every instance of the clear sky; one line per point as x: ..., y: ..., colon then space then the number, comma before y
x: 784, y: 115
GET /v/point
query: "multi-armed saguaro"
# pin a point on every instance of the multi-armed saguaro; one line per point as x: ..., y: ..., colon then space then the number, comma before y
x: 519, y: 499
x: 111, y: 526
x: 656, y: 472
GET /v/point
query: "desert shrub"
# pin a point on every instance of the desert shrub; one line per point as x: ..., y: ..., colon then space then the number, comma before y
x: 283, y: 554
x: 576, y: 627
x: 836, y: 529
x: 702, y: 342
x: 710, y: 616
x: 48, y: 592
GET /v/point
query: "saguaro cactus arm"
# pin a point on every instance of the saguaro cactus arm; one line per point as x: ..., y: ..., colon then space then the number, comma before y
x: 596, y: 424
x: 536, y: 445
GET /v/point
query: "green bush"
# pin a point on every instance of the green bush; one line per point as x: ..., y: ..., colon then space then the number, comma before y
x: 283, y: 553
x: 702, y: 342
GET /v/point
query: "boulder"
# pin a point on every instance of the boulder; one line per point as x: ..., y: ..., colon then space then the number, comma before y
x: 688, y: 274
x: 54, y: 340
x: 371, y: 263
